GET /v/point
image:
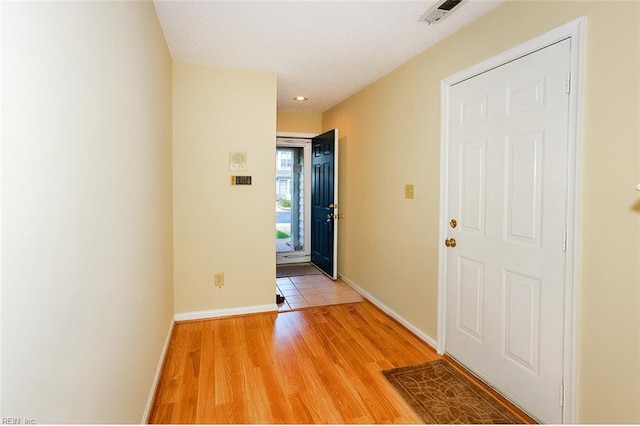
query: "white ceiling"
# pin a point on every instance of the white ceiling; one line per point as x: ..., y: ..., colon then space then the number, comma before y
x: 325, y: 50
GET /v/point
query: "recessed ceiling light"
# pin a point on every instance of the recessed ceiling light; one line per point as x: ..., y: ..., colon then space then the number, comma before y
x: 300, y: 99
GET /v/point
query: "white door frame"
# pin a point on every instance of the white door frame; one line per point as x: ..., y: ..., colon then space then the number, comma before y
x: 575, y: 31
x: 305, y: 141
x: 304, y: 255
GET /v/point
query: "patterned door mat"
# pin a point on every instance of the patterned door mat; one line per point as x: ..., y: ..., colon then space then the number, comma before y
x: 283, y: 271
x: 439, y: 394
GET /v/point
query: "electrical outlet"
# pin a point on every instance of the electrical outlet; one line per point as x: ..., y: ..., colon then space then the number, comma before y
x: 218, y: 279
x: 408, y: 191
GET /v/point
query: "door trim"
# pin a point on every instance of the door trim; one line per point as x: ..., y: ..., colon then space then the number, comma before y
x: 296, y: 135
x: 304, y: 255
x: 575, y: 31
x: 280, y: 260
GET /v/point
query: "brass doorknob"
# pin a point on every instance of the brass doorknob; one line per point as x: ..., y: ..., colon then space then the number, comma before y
x: 451, y: 242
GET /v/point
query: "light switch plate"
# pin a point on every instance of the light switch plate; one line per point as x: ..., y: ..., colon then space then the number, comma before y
x: 408, y: 191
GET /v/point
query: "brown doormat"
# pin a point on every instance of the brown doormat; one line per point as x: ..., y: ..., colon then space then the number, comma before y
x: 439, y: 394
x: 283, y: 271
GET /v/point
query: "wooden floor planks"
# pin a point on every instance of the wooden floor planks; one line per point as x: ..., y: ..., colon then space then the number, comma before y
x: 317, y: 365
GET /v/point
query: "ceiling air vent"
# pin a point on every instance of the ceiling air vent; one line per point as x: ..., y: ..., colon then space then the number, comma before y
x: 440, y: 10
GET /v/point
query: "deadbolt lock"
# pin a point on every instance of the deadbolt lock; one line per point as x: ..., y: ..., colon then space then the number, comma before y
x: 451, y: 242
x: 453, y: 223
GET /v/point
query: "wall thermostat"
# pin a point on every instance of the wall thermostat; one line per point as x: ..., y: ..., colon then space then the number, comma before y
x: 240, y: 180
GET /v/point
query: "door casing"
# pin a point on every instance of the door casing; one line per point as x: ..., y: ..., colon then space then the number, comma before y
x: 305, y: 254
x: 575, y: 31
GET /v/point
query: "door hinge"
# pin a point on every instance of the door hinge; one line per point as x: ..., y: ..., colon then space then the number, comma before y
x: 562, y: 395
x: 568, y: 83
x: 564, y: 240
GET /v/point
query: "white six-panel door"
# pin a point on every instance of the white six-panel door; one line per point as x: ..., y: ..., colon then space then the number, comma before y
x: 507, y: 190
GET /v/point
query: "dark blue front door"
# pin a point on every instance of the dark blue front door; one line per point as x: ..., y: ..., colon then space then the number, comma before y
x: 324, y: 200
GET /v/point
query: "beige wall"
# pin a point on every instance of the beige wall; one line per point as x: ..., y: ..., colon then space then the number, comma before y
x: 390, y: 135
x: 219, y: 227
x: 299, y: 122
x: 86, y: 209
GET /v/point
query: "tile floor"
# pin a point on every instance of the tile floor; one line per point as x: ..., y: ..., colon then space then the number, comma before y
x: 314, y: 290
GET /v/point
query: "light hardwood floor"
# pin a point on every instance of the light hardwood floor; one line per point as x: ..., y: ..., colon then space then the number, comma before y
x: 316, y: 365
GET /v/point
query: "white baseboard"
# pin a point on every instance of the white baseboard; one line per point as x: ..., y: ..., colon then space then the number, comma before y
x: 415, y: 330
x: 156, y: 376
x: 226, y: 312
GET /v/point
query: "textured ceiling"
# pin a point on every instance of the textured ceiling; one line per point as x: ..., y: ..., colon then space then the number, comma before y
x: 325, y: 50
